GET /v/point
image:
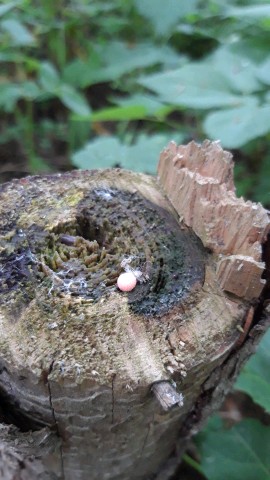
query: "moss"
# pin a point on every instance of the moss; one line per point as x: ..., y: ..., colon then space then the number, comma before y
x: 59, y: 271
x: 83, y: 257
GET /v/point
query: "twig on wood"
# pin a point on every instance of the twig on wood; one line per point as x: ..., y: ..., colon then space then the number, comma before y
x: 167, y: 395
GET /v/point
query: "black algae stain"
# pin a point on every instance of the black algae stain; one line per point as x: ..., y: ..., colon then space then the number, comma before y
x: 15, y: 263
x: 83, y: 258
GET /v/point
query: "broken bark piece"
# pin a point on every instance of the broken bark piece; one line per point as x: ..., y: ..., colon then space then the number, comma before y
x: 21, y: 454
x: 241, y: 276
x: 167, y: 396
x: 198, y: 180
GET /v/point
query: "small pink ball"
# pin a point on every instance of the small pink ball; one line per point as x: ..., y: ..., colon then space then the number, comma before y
x: 126, y: 282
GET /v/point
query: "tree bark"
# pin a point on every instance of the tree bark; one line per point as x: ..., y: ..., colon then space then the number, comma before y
x: 104, y: 384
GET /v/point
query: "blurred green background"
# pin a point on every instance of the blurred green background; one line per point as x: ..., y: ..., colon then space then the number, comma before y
x: 103, y: 83
x: 109, y: 82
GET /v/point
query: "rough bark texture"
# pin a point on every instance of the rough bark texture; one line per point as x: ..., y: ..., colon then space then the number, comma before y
x: 121, y: 380
x: 199, y: 183
x: 28, y: 456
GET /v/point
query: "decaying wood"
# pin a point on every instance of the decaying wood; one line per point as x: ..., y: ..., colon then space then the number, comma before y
x: 123, y: 379
x: 167, y: 396
x: 21, y: 454
x: 198, y: 180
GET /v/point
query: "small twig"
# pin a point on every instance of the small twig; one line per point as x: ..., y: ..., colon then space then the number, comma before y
x: 167, y: 395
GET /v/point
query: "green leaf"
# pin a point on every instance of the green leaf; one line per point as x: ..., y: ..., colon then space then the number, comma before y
x: 261, y: 189
x: 9, y: 95
x: 263, y: 71
x: 106, y: 152
x: 102, y: 152
x: 82, y: 73
x: 136, y: 107
x: 253, y: 47
x: 255, y: 376
x: 196, y: 85
x: 133, y: 112
x: 152, y: 105
x: 241, y: 452
x: 73, y: 100
x: 165, y: 15
x: 20, y: 35
x: 216, y: 81
x: 121, y: 58
x: 7, y: 7
x: 252, y: 11
x: 10, y: 57
x: 93, y: 9
x: 111, y: 61
x: 239, y: 70
x: 143, y: 156
x: 29, y: 90
x: 48, y: 77
x: 237, y: 126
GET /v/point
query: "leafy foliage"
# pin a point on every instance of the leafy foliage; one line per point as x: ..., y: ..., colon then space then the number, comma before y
x: 236, y: 126
x: 239, y: 452
x: 243, y: 450
x: 133, y: 69
x: 164, y: 16
x: 139, y: 156
x: 255, y: 377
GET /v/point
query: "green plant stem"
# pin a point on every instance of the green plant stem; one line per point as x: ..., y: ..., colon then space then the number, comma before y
x: 29, y: 136
x: 190, y: 461
x: 25, y: 120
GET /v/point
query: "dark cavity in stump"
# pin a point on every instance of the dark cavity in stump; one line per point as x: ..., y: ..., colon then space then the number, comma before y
x: 84, y: 257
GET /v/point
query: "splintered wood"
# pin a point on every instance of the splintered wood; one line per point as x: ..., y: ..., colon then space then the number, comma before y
x: 198, y: 180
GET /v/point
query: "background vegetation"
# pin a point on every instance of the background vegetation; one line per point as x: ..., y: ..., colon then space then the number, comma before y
x: 109, y: 82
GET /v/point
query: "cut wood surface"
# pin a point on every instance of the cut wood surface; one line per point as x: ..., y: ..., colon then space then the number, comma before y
x: 198, y: 181
x: 121, y: 380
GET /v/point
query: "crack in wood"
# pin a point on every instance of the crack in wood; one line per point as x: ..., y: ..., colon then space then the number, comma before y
x: 55, y: 422
x: 113, y: 398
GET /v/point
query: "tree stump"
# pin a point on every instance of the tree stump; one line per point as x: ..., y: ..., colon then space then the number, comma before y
x: 106, y: 384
